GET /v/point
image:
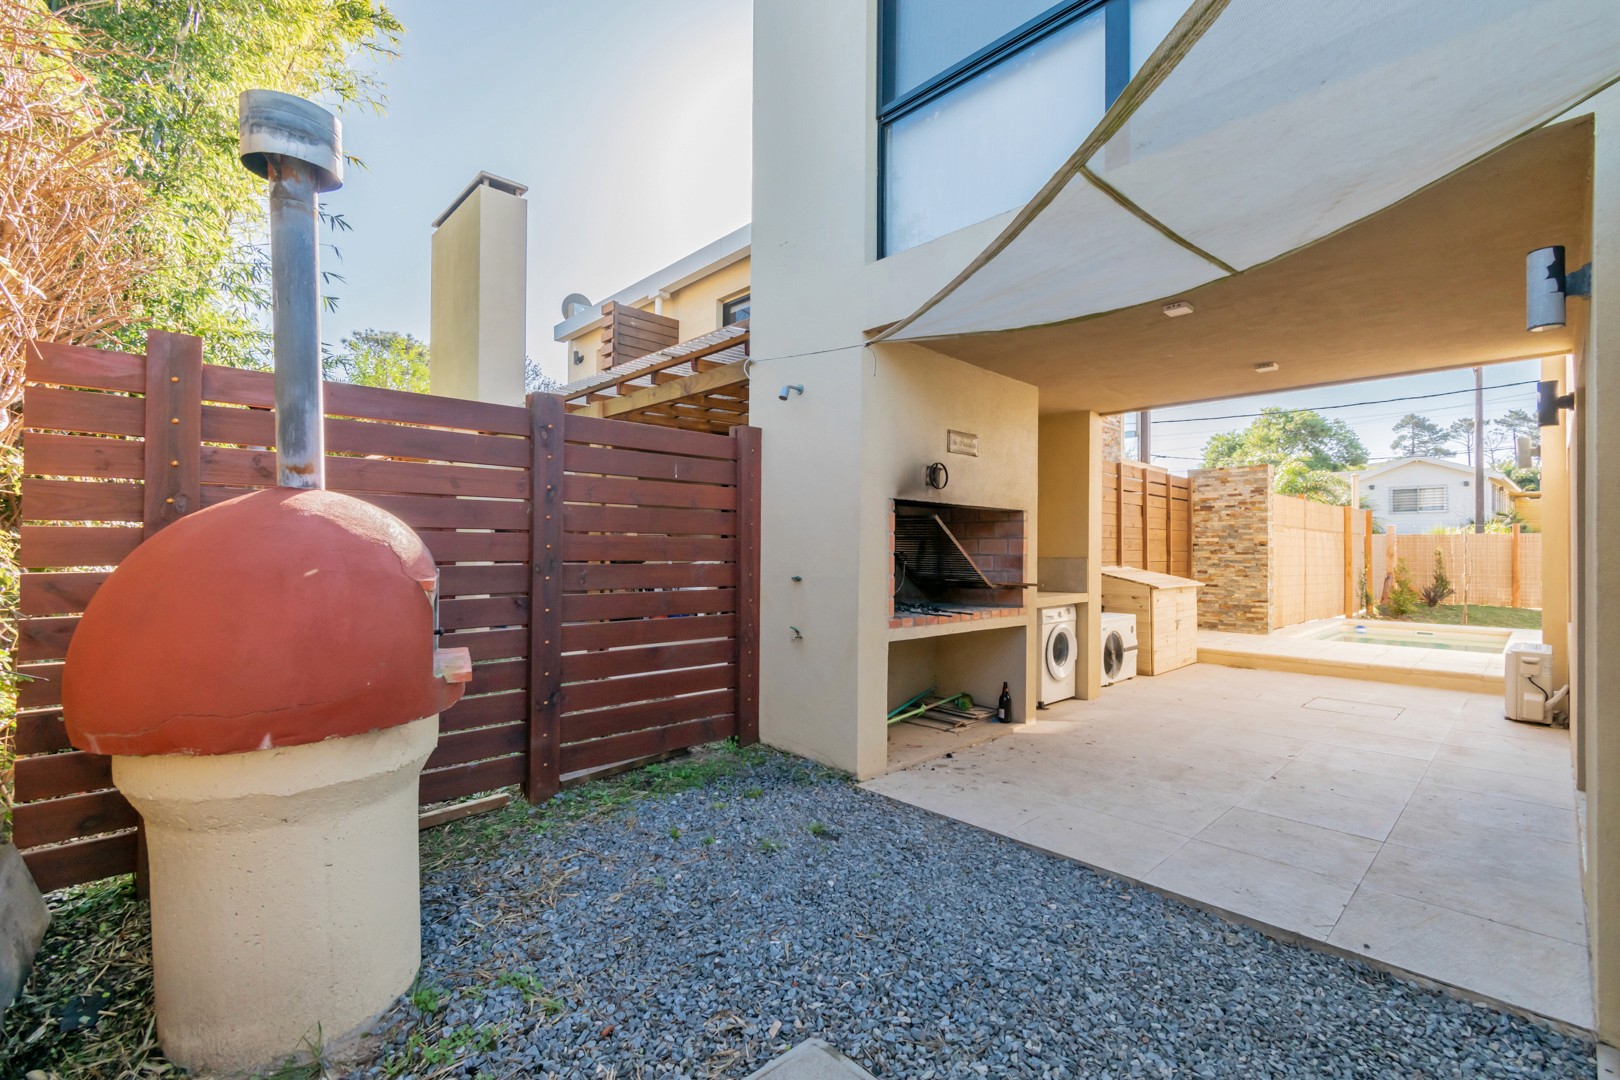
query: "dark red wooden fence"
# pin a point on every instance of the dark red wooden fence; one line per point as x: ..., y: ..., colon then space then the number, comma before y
x: 604, y: 575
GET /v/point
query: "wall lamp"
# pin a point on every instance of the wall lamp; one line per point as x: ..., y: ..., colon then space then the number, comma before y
x: 1549, y: 403
x: 790, y: 388
x: 1546, y: 285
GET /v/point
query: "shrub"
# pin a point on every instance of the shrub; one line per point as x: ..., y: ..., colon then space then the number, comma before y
x: 1403, y: 598
x: 1439, y: 586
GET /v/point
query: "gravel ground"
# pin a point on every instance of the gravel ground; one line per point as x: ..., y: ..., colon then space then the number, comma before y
x: 703, y: 932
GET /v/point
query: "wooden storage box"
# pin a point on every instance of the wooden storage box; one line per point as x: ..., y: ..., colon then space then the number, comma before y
x: 1166, y: 610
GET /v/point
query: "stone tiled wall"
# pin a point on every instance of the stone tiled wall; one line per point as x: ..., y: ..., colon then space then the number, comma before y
x: 1232, y: 549
x: 1113, y: 437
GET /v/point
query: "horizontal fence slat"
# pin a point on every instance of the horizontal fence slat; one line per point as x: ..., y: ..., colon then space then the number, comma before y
x: 469, y: 580
x: 79, y: 410
x: 55, y: 820
x: 612, y: 635
x: 484, y: 611
x: 582, y: 547
x: 58, y: 594
x: 578, y: 697
x: 625, y: 719
x: 663, y: 440
x: 50, y: 776
x: 579, y: 577
x: 611, y: 663
x: 582, y: 607
x: 498, y: 676
x: 460, y: 780
x: 237, y: 386
x: 418, y: 511
x: 451, y: 547
x: 460, y: 747
x: 256, y: 427
x: 78, y: 365
x: 488, y: 644
x: 83, y: 455
x: 473, y: 712
x: 615, y: 462
x: 257, y: 468
x: 45, y: 639
x: 599, y: 752
x: 39, y: 733
x: 608, y: 489
x: 41, y: 686
x: 81, y: 861
x: 584, y: 518
x: 71, y: 545
x: 74, y: 500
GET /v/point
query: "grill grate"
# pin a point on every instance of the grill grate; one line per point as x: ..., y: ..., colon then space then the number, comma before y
x: 931, y: 555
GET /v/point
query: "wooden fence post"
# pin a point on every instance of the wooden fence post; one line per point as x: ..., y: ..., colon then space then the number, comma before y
x: 1349, y: 565
x: 546, y: 418
x: 1366, y: 552
x: 1147, y: 543
x: 173, y: 465
x: 1119, y: 513
x: 1516, y: 576
x: 748, y: 516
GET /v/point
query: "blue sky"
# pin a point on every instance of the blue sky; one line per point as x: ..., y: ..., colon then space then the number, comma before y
x: 630, y: 120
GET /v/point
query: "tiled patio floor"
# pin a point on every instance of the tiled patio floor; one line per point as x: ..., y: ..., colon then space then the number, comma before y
x: 1411, y: 825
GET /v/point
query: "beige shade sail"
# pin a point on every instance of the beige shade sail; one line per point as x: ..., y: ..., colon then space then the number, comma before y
x: 1262, y: 126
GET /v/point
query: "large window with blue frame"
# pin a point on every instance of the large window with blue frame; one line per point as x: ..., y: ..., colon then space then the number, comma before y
x: 980, y: 102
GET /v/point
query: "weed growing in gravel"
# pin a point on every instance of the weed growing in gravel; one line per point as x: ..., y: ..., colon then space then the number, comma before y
x: 753, y: 793
x: 709, y: 841
x: 674, y: 832
x: 767, y: 845
x: 478, y: 837
x: 427, y: 998
x: 524, y: 982
x: 424, y: 1053
x: 817, y: 829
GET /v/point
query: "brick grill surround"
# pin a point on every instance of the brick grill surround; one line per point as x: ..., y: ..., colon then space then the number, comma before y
x: 997, y: 542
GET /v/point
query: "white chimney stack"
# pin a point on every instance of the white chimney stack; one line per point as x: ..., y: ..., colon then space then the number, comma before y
x: 480, y: 261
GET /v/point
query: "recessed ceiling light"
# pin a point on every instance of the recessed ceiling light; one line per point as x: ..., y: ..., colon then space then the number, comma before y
x: 1266, y: 368
x: 1180, y: 307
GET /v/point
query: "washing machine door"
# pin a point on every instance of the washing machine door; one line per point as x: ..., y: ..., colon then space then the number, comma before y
x: 1060, y: 649
x: 1113, y: 656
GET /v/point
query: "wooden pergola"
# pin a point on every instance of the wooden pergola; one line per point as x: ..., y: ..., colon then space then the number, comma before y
x: 699, y: 385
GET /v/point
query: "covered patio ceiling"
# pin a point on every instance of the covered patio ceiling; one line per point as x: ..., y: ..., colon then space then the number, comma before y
x: 1345, y: 190
x: 1433, y: 282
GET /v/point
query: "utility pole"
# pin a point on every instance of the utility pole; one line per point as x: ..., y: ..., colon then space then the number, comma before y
x: 1479, y: 449
x: 1144, y: 439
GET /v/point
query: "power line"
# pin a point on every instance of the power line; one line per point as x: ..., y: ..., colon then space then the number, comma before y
x: 1346, y: 405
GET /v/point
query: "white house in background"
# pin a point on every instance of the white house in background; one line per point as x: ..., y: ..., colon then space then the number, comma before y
x: 1417, y: 494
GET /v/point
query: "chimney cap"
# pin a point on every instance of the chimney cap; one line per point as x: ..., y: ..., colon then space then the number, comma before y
x: 272, y: 123
x: 483, y: 179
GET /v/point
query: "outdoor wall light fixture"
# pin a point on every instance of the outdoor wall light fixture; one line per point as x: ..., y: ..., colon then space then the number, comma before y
x: 1549, y: 403
x: 791, y: 388
x: 1546, y: 285
x: 1266, y: 368
x: 1178, y: 309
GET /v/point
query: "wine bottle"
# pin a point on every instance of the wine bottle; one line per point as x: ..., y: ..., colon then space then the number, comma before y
x: 1004, y: 714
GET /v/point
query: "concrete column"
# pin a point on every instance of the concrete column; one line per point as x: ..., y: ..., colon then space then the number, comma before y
x: 480, y: 268
x: 1555, y: 552
x: 1069, y: 535
x: 1597, y: 494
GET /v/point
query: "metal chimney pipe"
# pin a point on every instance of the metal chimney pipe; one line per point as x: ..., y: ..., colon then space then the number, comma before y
x: 298, y: 147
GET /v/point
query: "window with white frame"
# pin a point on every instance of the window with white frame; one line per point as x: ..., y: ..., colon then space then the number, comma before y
x: 1417, y: 500
x: 980, y: 103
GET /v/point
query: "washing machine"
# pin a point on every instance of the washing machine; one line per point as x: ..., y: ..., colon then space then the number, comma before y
x: 1059, y: 647
x: 1118, y: 647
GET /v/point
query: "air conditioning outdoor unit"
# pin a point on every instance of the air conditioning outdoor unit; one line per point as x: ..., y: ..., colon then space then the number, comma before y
x: 1527, y: 683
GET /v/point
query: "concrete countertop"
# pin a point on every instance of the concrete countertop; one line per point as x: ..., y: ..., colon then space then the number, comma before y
x: 1058, y: 599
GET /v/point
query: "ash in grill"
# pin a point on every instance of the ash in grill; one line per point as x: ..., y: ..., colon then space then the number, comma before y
x: 956, y: 560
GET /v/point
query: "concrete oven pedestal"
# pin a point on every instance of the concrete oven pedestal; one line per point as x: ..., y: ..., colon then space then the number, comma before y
x: 285, y: 904
x: 263, y: 674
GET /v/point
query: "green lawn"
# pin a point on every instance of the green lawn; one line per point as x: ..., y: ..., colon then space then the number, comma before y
x: 1479, y: 615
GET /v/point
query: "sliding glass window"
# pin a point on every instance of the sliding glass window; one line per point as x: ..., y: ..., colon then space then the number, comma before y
x: 981, y: 102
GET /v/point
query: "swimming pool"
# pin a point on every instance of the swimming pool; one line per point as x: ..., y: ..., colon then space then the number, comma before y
x: 1454, y: 639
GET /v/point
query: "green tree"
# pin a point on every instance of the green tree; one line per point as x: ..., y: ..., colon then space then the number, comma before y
x: 173, y: 69
x: 380, y: 358
x: 1418, y: 436
x: 1517, y: 422
x: 1461, y: 432
x: 1527, y: 479
x: 1439, y: 586
x: 1279, y: 436
x: 1318, y: 485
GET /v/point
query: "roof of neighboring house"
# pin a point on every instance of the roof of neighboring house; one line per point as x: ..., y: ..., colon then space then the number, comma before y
x: 708, y: 259
x: 1444, y: 463
x: 700, y: 384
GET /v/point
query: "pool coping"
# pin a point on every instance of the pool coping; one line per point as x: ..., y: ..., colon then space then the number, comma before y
x: 1299, y: 649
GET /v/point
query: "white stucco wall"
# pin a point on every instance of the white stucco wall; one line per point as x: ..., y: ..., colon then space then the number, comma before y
x: 869, y: 417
